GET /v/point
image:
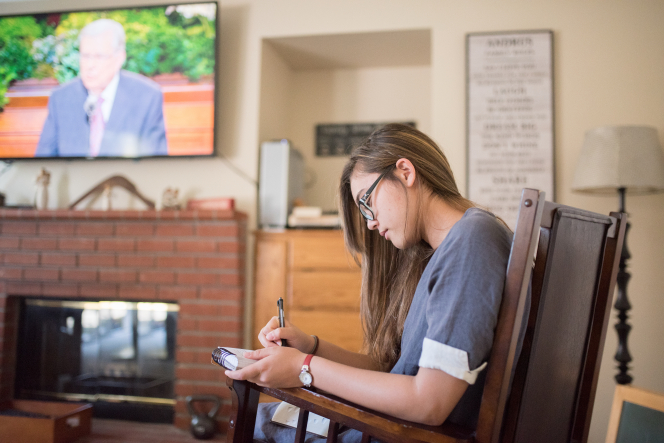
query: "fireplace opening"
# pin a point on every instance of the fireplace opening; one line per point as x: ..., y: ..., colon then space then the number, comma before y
x: 119, y: 356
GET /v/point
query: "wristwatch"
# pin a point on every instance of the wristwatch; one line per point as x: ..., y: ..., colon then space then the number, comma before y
x: 305, y: 375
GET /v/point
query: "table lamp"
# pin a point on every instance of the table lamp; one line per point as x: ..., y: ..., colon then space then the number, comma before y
x: 622, y: 160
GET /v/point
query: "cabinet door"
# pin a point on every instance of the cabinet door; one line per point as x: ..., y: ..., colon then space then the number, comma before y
x: 341, y: 328
x: 320, y: 253
x: 270, y: 281
x: 326, y: 290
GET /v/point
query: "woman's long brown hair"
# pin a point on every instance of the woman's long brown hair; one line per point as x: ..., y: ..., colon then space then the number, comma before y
x: 390, y: 275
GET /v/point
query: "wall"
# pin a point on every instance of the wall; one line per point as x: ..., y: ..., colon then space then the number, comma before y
x: 608, y: 65
x: 353, y: 95
x: 341, y: 78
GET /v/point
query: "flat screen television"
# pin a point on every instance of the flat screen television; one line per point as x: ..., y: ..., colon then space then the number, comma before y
x: 116, y: 83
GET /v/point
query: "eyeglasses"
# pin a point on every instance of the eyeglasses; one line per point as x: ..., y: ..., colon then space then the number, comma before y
x: 365, y: 209
x: 96, y: 57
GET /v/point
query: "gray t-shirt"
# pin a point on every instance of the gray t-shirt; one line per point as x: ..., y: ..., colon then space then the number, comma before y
x: 451, y: 321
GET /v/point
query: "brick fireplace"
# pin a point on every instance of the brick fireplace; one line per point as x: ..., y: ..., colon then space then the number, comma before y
x: 192, y: 258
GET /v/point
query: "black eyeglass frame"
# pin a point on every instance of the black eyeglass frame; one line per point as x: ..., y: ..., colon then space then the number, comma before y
x: 362, y: 202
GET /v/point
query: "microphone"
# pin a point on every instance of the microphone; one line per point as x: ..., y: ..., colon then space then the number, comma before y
x: 89, y: 106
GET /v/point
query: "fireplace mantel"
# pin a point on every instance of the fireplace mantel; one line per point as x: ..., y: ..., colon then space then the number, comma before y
x: 193, y: 258
x: 68, y: 214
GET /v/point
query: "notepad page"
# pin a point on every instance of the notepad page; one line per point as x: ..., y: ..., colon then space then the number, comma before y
x: 242, y: 362
x: 288, y: 415
x: 231, y: 358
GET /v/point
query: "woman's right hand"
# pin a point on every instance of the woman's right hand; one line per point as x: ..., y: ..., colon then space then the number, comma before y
x: 272, y: 334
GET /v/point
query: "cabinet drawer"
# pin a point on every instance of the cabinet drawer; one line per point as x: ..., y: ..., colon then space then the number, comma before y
x: 335, y: 290
x: 341, y: 328
x: 320, y: 252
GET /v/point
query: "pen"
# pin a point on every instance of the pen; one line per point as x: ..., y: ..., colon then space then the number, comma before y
x: 282, y: 323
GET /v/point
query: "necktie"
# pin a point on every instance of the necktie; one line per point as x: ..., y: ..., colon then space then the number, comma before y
x: 96, y: 128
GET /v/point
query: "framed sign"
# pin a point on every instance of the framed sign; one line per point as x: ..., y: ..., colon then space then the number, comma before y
x: 510, y: 139
x: 339, y: 139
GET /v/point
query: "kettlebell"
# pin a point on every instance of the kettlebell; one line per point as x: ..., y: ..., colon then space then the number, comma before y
x: 203, y: 425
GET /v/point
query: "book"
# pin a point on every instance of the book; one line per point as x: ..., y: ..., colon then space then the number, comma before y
x: 212, y: 203
x: 307, y: 211
x: 288, y: 415
x: 323, y: 221
x: 231, y: 358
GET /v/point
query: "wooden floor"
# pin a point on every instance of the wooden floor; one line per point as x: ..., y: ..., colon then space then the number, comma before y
x: 118, y: 431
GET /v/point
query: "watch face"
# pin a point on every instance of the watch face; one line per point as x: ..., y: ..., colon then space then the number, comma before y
x: 306, y: 378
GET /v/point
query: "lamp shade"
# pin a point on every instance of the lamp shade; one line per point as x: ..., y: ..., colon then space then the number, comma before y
x: 615, y: 157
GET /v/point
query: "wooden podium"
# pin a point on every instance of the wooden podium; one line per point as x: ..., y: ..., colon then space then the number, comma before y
x: 188, y: 116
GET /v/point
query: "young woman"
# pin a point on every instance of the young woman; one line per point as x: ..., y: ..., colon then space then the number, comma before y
x: 433, y: 275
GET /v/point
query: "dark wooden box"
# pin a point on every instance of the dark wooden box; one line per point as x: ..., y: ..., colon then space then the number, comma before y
x: 66, y: 422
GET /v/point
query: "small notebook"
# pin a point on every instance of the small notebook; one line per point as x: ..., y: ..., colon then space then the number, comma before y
x: 231, y: 358
x: 288, y: 415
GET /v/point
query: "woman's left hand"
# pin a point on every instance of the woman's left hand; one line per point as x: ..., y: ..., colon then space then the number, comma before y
x: 277, y: 367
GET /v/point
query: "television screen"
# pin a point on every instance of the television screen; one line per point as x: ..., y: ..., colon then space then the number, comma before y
x: 122, y: 83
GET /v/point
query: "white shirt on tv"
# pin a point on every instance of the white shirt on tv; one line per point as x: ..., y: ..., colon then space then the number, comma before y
x: 108, y: 94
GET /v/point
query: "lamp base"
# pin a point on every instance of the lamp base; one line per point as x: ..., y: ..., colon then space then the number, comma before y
x: 622, y: 304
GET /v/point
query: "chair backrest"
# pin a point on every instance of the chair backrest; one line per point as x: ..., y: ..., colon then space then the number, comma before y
x: 555, y: 376
x: 514, y: 303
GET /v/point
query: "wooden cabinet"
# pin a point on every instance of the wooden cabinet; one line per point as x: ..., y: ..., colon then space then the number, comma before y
x: 318, y: 280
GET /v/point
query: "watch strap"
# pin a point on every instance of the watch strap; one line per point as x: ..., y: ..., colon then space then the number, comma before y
x: 305, y: 374
x: 307, y: 360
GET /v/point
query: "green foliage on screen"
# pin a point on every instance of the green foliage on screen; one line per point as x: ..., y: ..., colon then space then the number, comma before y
x: 16, y: 37
x: 161, y: 40
x: 16, y: 63
x: 57, y: 56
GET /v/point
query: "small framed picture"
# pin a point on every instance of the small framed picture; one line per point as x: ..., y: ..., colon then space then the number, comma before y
x: 510, y: 118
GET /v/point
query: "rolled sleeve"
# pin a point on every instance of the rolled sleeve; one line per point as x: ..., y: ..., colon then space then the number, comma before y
x: 465, y: 289
x: 450, y: 360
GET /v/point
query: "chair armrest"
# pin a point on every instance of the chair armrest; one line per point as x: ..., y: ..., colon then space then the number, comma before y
x: 378, y: 425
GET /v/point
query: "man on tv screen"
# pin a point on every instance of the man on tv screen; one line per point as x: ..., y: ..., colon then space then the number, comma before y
x: 106, y: 111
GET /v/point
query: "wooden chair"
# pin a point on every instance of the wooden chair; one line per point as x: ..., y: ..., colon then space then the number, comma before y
x: 544, y: 393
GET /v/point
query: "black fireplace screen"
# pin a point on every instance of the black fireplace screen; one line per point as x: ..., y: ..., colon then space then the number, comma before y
x: 106, y: 352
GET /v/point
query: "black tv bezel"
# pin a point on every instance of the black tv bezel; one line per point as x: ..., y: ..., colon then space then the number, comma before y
x: 215, y: 82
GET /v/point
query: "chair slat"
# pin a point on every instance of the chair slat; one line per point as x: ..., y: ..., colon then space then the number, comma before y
x: 332, y: 432
x: 513, y: 306
x: 243, y: 415
x: 597, y: 334
x: 302, y: 421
